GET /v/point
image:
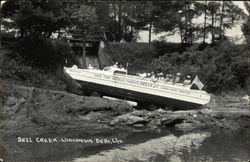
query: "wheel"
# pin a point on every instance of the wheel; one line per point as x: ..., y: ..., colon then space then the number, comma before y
x: 95, y: 94
x: 147, y: 105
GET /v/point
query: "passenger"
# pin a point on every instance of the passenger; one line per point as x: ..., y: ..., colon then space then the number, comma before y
x: 148, y: 75
x: 171, y: 77
x: 154, y: 77
x: 74, y: 67
x: 143, y: 75
x: 116, y: 65
x: 187, y: 81
x: 160, y: 75
x: 120, y: 66
x: 178, y: 78
x: 167, y: 79
x: 105, y: 68
x: 90, y: 66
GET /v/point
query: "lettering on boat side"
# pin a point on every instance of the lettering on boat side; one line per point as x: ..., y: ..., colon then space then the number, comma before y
x: 142, y: 83
x: 98, y: 75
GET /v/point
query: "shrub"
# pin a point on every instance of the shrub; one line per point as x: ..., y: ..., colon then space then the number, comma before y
x: 224, y: 66
x: 139, y: 55
x: 44, y: 53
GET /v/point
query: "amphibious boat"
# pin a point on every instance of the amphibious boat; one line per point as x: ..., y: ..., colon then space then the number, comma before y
x: 115, y: 82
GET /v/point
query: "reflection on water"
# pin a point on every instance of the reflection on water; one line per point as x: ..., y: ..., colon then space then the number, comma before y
x: 167, y: 145
x: 150, y: 150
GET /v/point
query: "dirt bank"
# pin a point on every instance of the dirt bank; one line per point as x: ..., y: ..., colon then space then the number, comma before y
x: 34, y: 110
x: 29, y: 110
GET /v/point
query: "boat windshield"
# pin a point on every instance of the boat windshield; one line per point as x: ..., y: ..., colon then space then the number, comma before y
x: 116, y: 72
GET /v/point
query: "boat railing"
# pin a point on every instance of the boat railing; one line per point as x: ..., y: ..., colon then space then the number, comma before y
x: 114, y: 71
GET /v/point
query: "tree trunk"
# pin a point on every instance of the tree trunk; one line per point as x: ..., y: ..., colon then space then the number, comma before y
x: 190, y: 33
x: 205, y: 22
x: 150, y: 28
x: 221, y: 20
x: 119, y: 22
x: 84, y: 66
x: 131, y: 34
x: 181, y: 36
x: 186, y: 22
x: 212, y: 30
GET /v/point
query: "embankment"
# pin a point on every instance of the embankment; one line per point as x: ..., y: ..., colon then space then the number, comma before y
x: 29, y: 110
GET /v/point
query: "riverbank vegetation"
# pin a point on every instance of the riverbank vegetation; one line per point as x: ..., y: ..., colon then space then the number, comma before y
x: 224, y: 66
x: 220, y: 64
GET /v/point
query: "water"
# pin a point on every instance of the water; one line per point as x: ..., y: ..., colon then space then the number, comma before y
x: 163, y: 145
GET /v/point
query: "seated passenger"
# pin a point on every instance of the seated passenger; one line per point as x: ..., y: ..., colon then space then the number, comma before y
x: 74, y: 67
x: 90, y: 66
x: 167, y: 78
x: 143, y: 75
x: 160, y: 76
x: 187, y: 81
x: 178, y: 78
x: 116, y: 64
x: 171, y: 77
x: 120, y: 66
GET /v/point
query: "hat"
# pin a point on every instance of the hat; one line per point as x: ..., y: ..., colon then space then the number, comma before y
x: 178, y: 74
x: 188, y: 76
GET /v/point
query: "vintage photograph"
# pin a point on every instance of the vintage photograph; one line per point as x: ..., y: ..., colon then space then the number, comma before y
x: 124, y: 81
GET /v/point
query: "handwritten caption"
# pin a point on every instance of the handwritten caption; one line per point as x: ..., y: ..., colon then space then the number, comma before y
x: 69, y: 140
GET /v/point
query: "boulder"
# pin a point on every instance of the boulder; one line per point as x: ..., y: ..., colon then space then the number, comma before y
x: 185, y: 126
x: 170, y: 122
x: 128, y: 119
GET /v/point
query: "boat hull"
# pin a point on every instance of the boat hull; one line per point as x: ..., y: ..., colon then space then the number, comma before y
x: 139, y: 89
x: 137, y: 96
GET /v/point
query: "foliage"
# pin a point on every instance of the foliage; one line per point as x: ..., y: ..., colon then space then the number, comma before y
x: 162, y: 47
x: 35, y: 19
x: 14, y: 70
x: 83, y: 17
x: 124, y: 20
x: 221, y: 67
x: 44, y: 53
x: 138, y: 55
x: 246, y: 25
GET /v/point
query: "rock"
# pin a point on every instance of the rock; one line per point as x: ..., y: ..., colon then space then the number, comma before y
x: 138, y: 125
x: 161, y: 111
x: 92, y: 116
x: 140, y: 113
x: 170, y: 122
x: 185, y: 126
x: 128, y: 119
x: 11, y: 101
x: 172, y: 118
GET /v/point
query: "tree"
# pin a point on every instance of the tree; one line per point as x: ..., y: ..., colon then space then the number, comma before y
x: 224, y: 13
x: 35, y: 19
x: 165, y: 20
x: 246, y: 25
x: 84, y: 18
x: 42, y: 18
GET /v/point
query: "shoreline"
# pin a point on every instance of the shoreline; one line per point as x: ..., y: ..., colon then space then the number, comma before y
x: 35, y: 110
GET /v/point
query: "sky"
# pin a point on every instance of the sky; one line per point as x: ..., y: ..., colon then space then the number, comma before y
x: 234, y: 32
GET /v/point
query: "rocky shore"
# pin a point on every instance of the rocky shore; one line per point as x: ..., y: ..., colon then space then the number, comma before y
x: 29, y: 110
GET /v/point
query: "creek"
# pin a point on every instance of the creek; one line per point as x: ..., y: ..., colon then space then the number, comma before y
x: 123, y: 145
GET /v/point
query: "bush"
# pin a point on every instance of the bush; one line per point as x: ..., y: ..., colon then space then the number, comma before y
x: 221, y: 67
x: 14, y: 68
x: 46, y: 54
x: 224, y: 66
x: 139, y: 55
x: 162, y: 47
